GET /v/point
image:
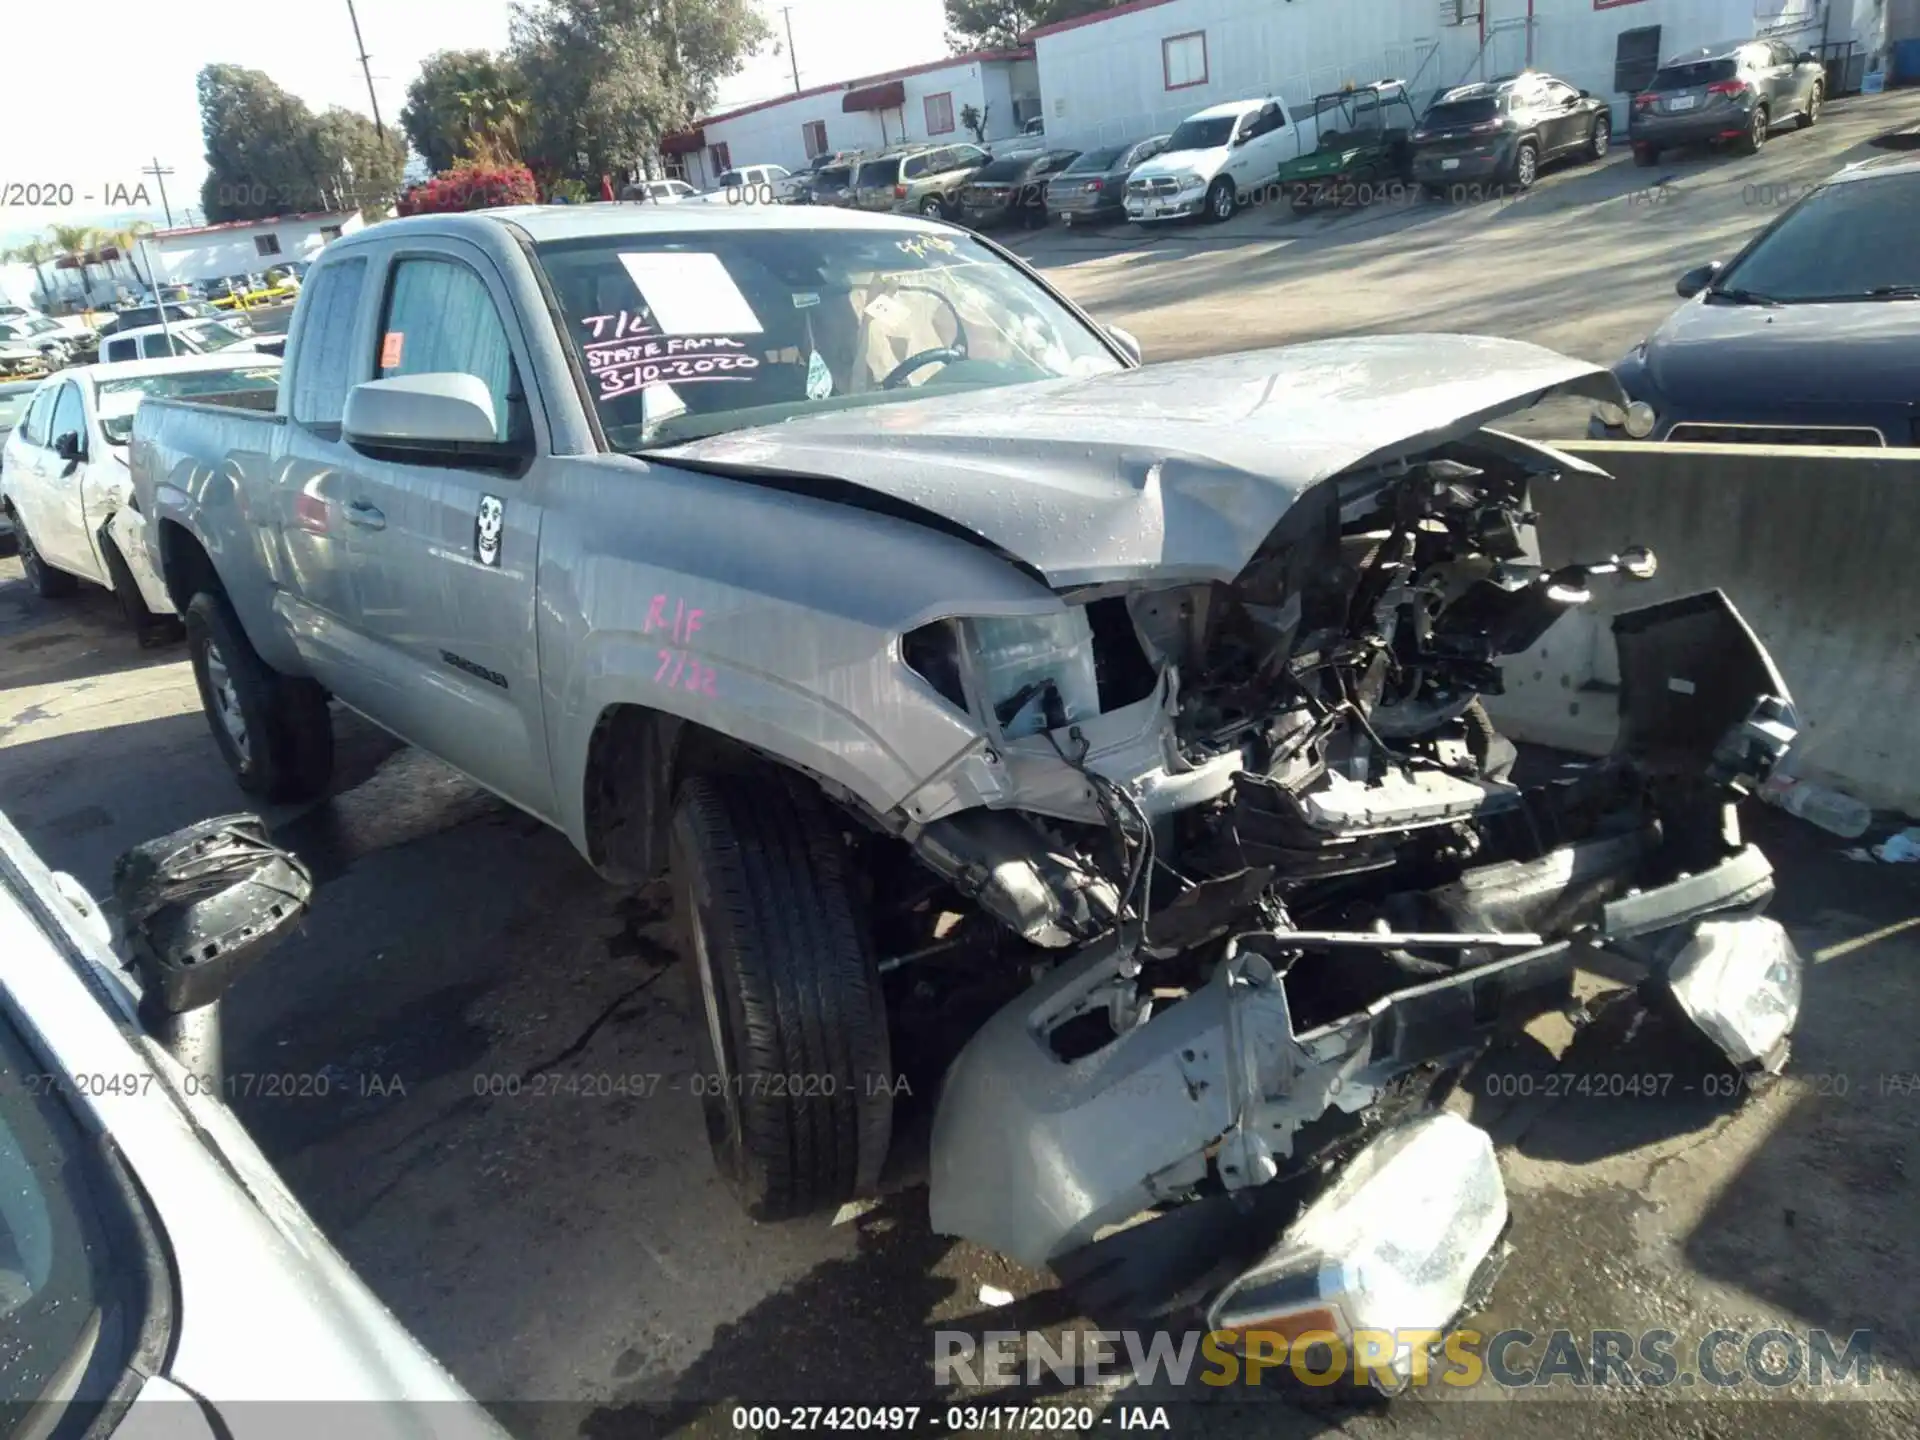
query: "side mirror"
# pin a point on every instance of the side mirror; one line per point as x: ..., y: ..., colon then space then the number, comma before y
x: 68, y: 447
x: 1586, y: 94
x: 1696, y: 280
x: 441, y: 411
x: 1126, y: 341
x: 1806, y: 57
x: 198, y: 907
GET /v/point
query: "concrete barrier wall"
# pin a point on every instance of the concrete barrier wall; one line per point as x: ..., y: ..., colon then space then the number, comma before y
x: 1819, y: 549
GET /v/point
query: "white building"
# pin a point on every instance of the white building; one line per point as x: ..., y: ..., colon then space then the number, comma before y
x: 923, y: 102
x: 244, y: 247
x: 1141, y: 67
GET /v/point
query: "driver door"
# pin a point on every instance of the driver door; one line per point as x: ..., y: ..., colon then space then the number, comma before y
x: 59, y: 526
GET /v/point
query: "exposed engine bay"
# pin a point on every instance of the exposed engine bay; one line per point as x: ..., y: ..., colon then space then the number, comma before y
x: 1263, y: 852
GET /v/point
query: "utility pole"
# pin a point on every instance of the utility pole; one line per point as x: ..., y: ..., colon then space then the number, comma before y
x: 160, y: 173
x: 367, y: 71
x: 792, y: 55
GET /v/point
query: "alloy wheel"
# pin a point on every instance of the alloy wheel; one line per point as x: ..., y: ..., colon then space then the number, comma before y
x: 226, y: 699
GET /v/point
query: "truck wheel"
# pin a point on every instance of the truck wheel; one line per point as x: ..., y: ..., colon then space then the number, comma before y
x: 48, y: 583
x: 1221, y: 200
x: 273, y: 730
x: 794, y: 1064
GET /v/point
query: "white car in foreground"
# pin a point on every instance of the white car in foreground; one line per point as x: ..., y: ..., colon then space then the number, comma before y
x: 65, y: 482
x: 156, y: 1276
x: 1217, y: 159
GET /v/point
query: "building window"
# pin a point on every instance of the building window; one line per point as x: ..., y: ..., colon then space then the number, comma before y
x: 1183, y: 60
x: 1636, y: 56
x: 720, y: 158
x: 940, y: 114
x: 267, y: 244
x: 815, y: 134
x: 329, y: 232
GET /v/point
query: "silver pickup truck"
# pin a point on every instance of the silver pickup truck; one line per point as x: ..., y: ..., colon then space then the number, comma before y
x: 965, y: 675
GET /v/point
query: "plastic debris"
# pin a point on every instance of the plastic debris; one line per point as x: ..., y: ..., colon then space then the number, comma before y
x: 993, y: 1295
x: 1832, y: 811
x: 1901, y: 849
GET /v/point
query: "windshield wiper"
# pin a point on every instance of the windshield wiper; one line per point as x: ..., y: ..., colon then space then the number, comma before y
x: 1743, y: 297
x: 1894, y: 292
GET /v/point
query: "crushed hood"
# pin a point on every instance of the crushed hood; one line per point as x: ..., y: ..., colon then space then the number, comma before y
x: 1175, y: 471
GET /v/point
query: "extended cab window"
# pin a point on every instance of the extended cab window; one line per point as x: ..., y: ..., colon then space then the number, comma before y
x: 440, y: 319
x: 121, y: 350
x: 323, y: 365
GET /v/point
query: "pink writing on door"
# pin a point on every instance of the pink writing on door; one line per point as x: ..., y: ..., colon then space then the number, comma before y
x: 679, y: 622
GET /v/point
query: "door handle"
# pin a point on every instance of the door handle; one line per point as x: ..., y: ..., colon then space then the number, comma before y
x: 366, y: 516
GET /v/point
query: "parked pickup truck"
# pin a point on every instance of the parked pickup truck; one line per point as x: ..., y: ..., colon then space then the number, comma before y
x: 983, y: 692
x: 1224, y: 157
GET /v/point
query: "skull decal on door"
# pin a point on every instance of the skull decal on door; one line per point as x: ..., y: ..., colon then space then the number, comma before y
x: 489, y: 526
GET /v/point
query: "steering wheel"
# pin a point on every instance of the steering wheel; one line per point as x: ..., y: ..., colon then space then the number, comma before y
x: 944, y: 354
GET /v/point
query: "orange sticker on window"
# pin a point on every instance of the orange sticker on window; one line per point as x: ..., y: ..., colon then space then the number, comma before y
x: 391, y: 347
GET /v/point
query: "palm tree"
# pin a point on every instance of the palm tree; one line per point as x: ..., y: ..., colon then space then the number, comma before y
x: 35, y: 253
x: 127, y: 240
x: 77, y: 243
x: 492, y: 120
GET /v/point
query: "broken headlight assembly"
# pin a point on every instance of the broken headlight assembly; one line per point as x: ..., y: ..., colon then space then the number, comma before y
x: 1739, y: 981
x: 1398, y: 1246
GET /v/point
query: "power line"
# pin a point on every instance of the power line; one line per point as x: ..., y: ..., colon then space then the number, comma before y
x: 792, y: 54
x: 367, y: 70
x: 160, y: 173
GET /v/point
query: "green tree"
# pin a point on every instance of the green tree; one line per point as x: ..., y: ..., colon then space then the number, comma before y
x: 127, y: 241
x: 605, y: 79
x: 999, y: 24
x: 453, y: 88
x: 268, y: 154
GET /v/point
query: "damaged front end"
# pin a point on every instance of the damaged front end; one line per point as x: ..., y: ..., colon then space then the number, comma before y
x: 1268, y: 856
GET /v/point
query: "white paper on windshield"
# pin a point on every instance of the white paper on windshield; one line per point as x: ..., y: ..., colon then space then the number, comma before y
x: 691, y: 294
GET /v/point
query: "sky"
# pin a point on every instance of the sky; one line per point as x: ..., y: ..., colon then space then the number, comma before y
x: 97, y: 135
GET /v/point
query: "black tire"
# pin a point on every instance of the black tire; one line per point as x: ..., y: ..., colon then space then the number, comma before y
x: 934, y: 208
x: 782, y: 972
x: 280, y: 744
x: 1810, y: 117
x: 1646, y: 156
x: 1756, y: 136
x: 1526, y: 165
x: 153, y: 630
x: 1222, y: 202
x: 1600, y: 139
x: 1436, y: 192
x: 48, y: 583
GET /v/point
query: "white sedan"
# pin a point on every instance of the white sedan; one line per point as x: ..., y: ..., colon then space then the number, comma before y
x: 156, y: 1276
x: 65, y: 482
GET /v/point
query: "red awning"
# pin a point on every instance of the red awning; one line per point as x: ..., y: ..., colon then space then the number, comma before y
x: 684, y: 142
x: 890, y: 96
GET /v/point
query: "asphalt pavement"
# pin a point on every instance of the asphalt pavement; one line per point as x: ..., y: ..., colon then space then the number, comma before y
x: 472, y: 992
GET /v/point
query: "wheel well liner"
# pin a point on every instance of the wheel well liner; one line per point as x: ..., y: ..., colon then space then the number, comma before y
x: 185, y: 565
x: 635, y: 763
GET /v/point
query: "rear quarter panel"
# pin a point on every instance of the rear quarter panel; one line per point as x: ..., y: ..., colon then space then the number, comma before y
x: 209, y: 470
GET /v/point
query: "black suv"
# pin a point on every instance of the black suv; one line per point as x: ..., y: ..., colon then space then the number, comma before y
x: 1500, y: 132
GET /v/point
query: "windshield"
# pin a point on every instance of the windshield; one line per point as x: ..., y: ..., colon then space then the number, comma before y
x: 118, y: 399
x: 1463, y: 112
x: 1852, y: 241
x: 688, y: 336
x: 1208, y: 134
x: 1096, y: 162
x: 13, y: 405
x: 208, y: 336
